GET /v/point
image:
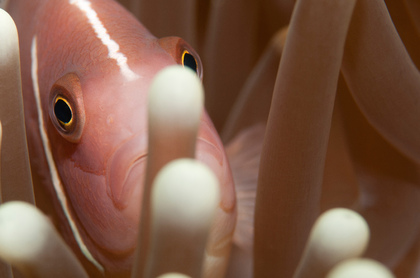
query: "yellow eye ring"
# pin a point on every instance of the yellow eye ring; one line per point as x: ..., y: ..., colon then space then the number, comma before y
x: 63, y: 112
x: 188, y: 60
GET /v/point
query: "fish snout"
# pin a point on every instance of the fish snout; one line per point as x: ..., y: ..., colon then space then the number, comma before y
x: 126, y: 172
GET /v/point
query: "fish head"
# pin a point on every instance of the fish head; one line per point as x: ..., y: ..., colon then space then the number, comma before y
x: 93, y: 91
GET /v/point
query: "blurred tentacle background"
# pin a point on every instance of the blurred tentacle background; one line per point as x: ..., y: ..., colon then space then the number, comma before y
x: 360, y: 160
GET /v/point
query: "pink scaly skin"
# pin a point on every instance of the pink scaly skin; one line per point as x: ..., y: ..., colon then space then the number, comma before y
x: 100, y: 154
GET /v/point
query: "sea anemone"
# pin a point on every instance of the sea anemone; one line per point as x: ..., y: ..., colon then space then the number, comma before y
x: 324, y: 96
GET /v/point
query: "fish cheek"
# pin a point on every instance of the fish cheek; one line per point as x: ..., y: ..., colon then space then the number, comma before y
x: 99, y: 222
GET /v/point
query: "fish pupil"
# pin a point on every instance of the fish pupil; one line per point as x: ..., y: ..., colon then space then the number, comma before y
x: 189, y: 61
x: 62, y: 111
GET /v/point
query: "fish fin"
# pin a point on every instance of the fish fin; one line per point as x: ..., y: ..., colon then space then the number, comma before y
x: 244, y: 152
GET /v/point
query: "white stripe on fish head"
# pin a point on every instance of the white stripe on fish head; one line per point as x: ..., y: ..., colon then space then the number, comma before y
x: 102, y: 34
x: 58, y: 186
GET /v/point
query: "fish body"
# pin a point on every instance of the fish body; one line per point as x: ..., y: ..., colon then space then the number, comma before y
x: 86, y: 69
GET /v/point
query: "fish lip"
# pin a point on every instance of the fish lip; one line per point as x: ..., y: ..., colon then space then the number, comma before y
x: 208, y: 142
x: 128, y: 159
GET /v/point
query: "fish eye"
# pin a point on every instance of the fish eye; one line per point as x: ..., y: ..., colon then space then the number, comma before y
x: 188, y: 60
x: 182, y: 53
x: 66, y: 107
x: 63, y: 112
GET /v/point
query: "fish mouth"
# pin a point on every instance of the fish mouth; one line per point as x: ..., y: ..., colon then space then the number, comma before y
x: 126, y: 171
x: 126, y: 168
